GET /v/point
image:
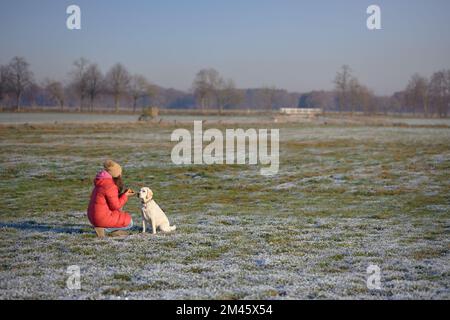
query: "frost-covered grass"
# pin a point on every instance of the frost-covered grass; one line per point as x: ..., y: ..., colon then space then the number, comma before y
x: 346, y: 197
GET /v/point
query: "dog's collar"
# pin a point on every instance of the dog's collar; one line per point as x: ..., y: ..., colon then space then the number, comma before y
x: 147, y: 202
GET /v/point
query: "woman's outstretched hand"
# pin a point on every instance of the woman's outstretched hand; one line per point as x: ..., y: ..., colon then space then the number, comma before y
x: 130, y: 192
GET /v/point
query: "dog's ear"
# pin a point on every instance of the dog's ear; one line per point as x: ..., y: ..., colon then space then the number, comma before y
x: 149, y: 194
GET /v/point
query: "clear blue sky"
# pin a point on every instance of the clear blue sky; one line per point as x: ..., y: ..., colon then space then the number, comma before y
x: 293, y: 44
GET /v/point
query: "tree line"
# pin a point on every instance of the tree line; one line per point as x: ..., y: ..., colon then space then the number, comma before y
x: 88, y: 88
x: 86, y: 84
x: 420, y: 96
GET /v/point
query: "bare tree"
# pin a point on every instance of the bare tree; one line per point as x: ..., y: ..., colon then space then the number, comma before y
x: 447, y: 108
x: 360, y: 98
x: 152, y: 92
x: 32, y: 94
x: 20, y: 78
x: 118, y: 80
x: 79, y: 82
x: 417, y: 94
x: 4, y: 78
x: 353, y: 96
x: 56, y: 91
x: 397, y: 102
x: 439, y: 91
x: 342, y: 85
x: 267, y: 97
x: 94, y: 83
x: 228, y: 95
x: 139, y: 88
x: 205, y: 86
x: 366, y: 100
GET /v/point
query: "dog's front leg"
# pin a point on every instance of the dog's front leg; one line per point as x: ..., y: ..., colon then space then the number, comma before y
x: 153, y: 227
x: 143, y: 225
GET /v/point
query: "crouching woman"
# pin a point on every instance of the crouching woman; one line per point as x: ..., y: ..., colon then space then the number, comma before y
x: 105, y: 207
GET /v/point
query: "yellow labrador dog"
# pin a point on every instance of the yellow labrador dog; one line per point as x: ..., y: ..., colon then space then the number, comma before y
x: 152, y: 213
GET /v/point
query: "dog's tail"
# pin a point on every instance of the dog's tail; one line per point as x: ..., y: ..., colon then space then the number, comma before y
x: 168, y: 228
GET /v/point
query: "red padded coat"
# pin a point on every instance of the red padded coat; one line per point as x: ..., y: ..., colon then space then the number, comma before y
x: 105, y: 206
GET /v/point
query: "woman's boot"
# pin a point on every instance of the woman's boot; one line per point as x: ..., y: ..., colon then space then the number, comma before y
x: 100, y: 232
x: 118, y: 233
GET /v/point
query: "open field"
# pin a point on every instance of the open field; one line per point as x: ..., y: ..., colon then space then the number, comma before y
x: 75, y: 117
x: 177, y: 116
x: 346, y: 197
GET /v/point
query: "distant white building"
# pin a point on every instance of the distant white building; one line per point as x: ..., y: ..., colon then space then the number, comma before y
x: 307, y: 112
x: 297, y: 114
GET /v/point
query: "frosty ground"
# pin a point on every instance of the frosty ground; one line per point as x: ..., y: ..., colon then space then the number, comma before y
x: 346, y: 197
